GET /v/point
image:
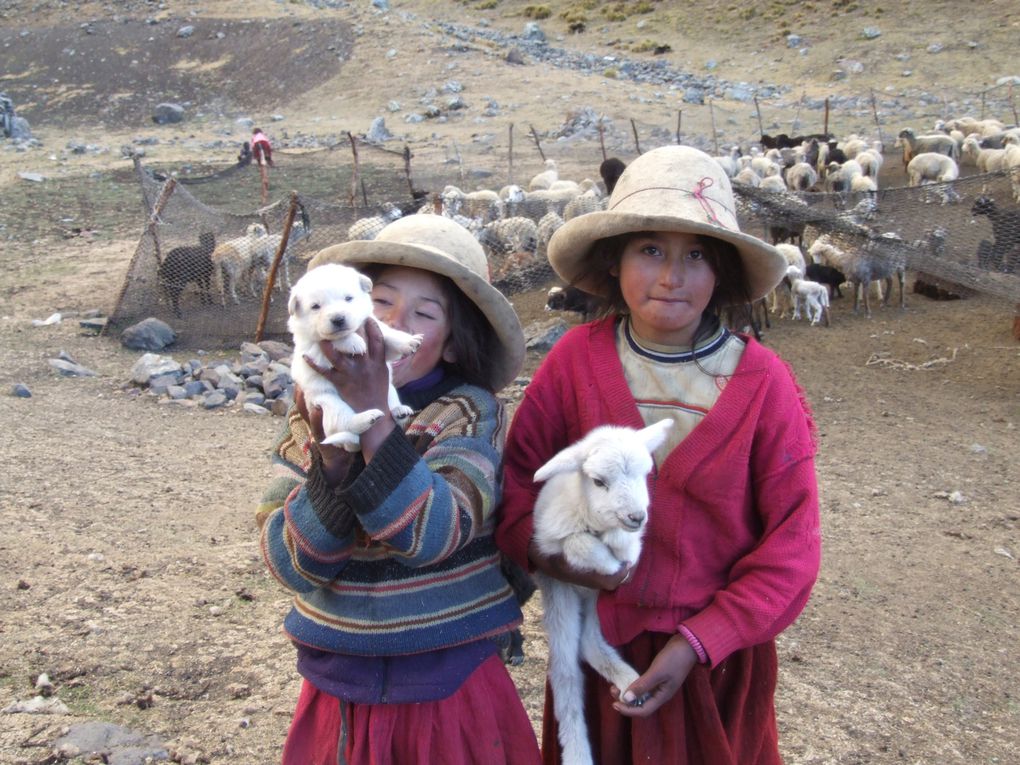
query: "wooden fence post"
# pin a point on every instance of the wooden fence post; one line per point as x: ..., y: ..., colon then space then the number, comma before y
x: 357, y: 171
x: 637, y: 143
x: 267, y: 293
x: 537, y: 142
x: 510, y: 156
x: 679, y: 118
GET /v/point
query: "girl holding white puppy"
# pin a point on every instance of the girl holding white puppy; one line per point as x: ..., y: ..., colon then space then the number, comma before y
x: 731, y: 549
x: 389, y: 551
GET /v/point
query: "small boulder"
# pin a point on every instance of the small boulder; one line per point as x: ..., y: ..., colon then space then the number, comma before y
x: 168, y: 114
x: 148, y: 335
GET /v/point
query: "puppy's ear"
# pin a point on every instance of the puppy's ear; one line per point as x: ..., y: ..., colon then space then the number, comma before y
x: 293, y: 304
x: 366, y: 283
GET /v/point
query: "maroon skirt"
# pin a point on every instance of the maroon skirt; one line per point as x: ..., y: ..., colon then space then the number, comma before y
x: 481, y: 722
x: 724, y: 716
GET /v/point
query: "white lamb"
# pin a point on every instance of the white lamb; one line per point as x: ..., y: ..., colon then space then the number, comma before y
x: 812, y: 295
x: 593, y: 510
x: 546, y: 178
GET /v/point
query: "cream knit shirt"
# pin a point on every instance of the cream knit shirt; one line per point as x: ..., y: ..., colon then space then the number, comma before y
x: 681, y: 385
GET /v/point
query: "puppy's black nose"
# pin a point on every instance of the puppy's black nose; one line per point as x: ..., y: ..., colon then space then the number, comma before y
x: 338, y: 322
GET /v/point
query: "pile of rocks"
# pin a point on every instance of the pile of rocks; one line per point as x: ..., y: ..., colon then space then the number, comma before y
x: 258, y: 381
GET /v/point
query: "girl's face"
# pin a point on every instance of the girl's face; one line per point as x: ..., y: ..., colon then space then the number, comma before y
x: 413, y: 301
x: 667, y: 283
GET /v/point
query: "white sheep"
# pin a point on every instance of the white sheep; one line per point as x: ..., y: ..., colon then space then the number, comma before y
x: 747, y: 177
x: 782, y: 298
x: 368, y: 228
x: 509, y: 235
x: 547, y: 226
x: 774, y: 183
x: 589, y: 201
x: 730, y: 163
x: 934, y: 143
x: 592, y: 510
x: 812, y: 295
x: 930, y: 167
x: 513, y: 198
x: 870, y: 160
x: 986, y: 160
x: 801, y: 177
x: 861, y: 267
x: 484, y: 204
x: 546, y: 178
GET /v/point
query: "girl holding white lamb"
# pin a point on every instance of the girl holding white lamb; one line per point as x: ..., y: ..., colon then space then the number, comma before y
x: 732, y: 545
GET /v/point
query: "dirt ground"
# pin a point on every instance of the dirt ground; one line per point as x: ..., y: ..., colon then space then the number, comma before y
x: 131, y: 574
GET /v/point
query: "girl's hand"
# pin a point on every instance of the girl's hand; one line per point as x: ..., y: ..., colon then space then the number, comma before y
x: 557, y: 567
x: 362, y: 381
x: 659, y: 684
x: 335, y: 461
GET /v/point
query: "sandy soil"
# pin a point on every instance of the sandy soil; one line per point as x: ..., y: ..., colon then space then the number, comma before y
x: 131, y: 571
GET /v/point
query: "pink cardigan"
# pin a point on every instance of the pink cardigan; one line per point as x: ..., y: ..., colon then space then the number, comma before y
x: 733, y: 544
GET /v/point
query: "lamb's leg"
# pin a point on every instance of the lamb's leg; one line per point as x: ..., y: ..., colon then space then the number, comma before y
x: 598, y: 653
x: 562, y: 619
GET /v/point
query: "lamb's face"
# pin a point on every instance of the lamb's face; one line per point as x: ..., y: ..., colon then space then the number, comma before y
x: 328, y: 303
x: 615, y: 486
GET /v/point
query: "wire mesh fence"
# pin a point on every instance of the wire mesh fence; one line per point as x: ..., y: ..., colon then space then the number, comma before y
x: 204, y: 265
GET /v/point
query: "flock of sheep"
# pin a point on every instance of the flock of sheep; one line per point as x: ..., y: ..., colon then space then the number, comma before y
x: 515, y: 223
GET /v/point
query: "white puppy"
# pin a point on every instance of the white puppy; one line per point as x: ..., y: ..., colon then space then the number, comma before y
x: 332, y: 302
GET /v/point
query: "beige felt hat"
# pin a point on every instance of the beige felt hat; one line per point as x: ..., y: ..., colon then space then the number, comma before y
x: 673, y: 188
x: 437, y: 244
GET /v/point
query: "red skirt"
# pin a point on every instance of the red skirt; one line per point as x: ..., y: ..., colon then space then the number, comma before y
x: 724, y: 716
x: 482, y: 722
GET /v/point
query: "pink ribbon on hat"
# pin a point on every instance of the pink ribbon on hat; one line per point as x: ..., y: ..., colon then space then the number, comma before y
x: 705, y: 202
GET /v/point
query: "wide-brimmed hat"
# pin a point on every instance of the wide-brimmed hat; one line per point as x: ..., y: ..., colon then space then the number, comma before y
x: 437, y: 244
x: 673, y: 188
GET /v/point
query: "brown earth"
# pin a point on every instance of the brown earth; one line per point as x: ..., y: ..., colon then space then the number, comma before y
x: 131, y: 571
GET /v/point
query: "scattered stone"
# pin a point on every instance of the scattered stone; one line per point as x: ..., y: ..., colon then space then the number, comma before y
x: 20, y: 390
x: 935, y: 47
x: 168, y: 114
x: 956, y: 498
x: 38, y: 705
x: 95, y: 324
x: 34, y: 177
x: 514, y: 56
x: 152, y: 365
x: 870, y: 33
x: 115, y: 744
x: 378, y: 133
x: 150, y: 334
x: 186, y: 31
x: 53, y: 318
x: 1004, y: 552
x: 793, y: 41
x: 23, y: 585
x: 533, y: 32
x: 70, y: 368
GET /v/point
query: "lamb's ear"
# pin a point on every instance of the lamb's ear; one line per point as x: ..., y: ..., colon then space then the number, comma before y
x: 566, y: 461
x: 365, y: 282
x: 654, y: 435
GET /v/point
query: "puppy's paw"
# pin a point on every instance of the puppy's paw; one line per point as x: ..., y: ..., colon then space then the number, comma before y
x: 414, y: 343
x: 400, y: 412
x: 352, y: 345
x: 362, y: 421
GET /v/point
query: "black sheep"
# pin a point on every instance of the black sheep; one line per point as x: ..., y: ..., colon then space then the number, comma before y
x: 1003, y: 253
x: 190, y: 263
x: 611, y: 169
x: 828, y: 275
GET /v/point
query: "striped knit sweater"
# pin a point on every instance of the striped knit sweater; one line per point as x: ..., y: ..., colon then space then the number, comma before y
x: 400, y: 559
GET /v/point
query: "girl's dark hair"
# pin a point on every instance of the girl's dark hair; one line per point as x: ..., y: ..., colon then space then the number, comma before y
x: 722, y: 257
x: 472, y: 339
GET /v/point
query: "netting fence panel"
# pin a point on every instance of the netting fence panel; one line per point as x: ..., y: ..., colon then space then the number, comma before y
x: 965, y: 233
